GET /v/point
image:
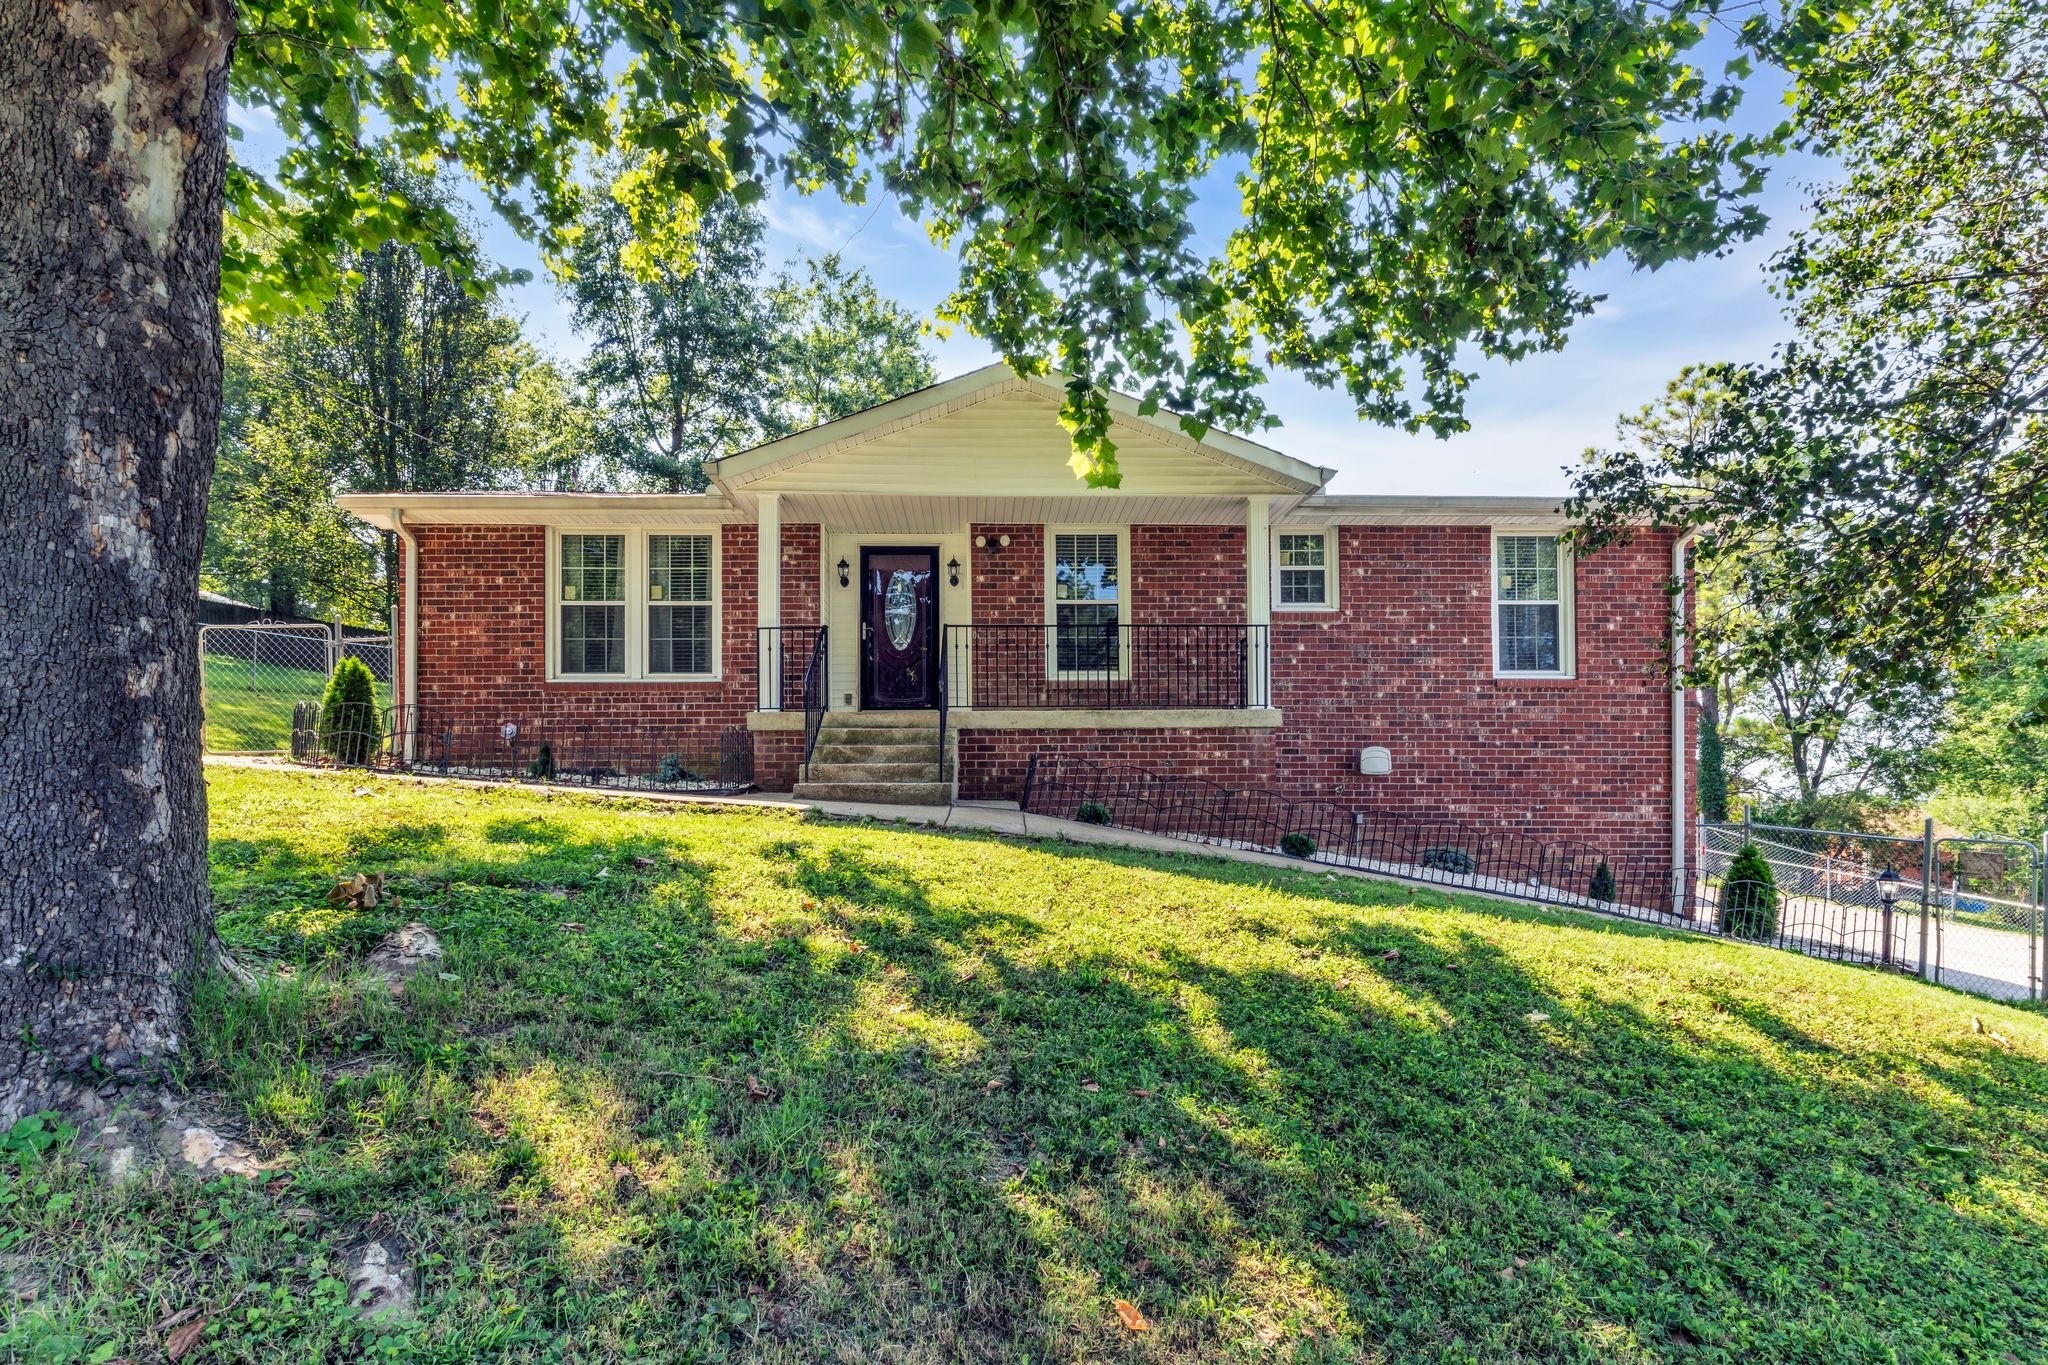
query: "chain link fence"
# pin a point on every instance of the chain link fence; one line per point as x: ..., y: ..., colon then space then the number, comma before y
x: 254, y: 675
x: 1962, y: 911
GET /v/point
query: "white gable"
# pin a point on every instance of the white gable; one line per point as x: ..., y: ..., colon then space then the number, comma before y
x: 991, y: 434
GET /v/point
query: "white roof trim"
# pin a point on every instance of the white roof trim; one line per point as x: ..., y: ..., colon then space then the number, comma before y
x: 736, y: 471
x: 1351, y: 509
x: 514, y: 508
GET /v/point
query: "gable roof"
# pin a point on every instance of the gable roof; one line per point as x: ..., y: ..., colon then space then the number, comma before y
x: 1152, y: 449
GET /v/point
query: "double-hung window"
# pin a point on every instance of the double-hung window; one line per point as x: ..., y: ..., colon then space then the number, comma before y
x: 1302, y: 562
x: 593, y: 605
x: 633, y: 606
x: 1531, y: 607
x: 679, y: 604
x: 1087, y: 598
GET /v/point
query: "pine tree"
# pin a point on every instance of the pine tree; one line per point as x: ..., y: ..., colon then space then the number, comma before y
x: 1713, y: 768
x: 350, y: 728
x: 1749, y: 896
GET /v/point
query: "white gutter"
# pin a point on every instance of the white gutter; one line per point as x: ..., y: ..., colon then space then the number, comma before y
x: 410, y: 717
x: 1679, y: 646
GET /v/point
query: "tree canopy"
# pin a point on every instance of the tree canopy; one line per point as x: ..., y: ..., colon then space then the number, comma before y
x: 1884, y: 471
x: 1412, y: 180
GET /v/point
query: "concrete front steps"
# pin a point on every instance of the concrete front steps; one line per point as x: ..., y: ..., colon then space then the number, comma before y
x: 887, y: 757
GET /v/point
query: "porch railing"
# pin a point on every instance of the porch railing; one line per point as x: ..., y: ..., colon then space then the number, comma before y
x: 817, y: 688
x: 786, y: 655
x: 1108, y: 667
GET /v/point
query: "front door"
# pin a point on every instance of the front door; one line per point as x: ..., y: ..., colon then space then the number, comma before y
x: 899, y: 628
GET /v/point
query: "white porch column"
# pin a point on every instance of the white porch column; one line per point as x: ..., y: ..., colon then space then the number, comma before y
x: 768, y: 585
x: 1258, y: 594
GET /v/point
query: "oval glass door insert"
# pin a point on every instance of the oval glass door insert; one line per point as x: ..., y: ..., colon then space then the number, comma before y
x: 899, y: 607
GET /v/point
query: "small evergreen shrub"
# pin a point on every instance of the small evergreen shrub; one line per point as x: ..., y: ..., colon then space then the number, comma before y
x: 1449, y: 860
x: 1602, y: 886
x: 1749, y: 896
x: 1092, y: 813
x: 1298, y: 845
x: 672, y: 769
x: 351, y: 731
x: 1713, y: 771
x: 543, y: 766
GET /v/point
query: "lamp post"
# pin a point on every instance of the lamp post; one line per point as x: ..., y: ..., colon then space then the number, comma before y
x: 1888, y: 883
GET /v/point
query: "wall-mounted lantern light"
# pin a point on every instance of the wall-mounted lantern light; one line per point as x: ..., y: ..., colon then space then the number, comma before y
x: 1000, y: 542
x: 953, y: 572
x: 842, y: 573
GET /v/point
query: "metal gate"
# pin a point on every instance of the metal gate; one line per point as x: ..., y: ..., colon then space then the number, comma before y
x: 1963, y: 911
x: 252, y: 676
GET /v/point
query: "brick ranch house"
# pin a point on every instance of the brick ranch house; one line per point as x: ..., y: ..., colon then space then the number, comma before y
x: 1217, y: 616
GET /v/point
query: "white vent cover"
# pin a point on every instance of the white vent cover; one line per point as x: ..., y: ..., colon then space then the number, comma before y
x: 1375, y: 761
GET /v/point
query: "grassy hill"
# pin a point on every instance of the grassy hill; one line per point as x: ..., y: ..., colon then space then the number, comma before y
x: 702, y: 1084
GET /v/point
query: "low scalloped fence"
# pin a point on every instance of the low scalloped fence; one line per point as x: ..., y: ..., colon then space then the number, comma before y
x: 1431, y: 848
x: 498, y: 747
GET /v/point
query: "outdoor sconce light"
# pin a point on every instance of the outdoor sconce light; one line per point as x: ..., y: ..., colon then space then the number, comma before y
x: 1888, y: 884
x: 953, y: 573
x: 842, y: 573
x: 1002, y: 542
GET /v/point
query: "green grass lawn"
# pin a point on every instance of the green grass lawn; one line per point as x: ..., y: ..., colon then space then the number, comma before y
x: 249, y: 708
x: 704, y: 1084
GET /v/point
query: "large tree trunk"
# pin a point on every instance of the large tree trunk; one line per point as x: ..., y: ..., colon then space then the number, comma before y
x: 113, y: 144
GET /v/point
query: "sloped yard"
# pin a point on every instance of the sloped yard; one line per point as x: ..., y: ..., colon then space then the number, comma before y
x: 700, y: 1084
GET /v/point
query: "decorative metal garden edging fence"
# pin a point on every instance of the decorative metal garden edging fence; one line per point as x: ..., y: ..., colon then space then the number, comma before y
x: 495, y: 748
x: 1844, y: 908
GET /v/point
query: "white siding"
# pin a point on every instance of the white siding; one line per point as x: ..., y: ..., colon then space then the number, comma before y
x: 1008, y: 444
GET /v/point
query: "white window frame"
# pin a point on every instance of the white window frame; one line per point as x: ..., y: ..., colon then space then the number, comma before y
x: 1329, y: 535
x: 1053, y: 672
x: 1567, y: 631
x: 638, y: 601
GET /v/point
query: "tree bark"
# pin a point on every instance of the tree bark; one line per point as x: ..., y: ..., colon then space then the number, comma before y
x: 113, y: 146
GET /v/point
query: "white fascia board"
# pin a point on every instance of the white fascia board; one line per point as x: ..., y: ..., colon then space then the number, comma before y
x: 536, y: 509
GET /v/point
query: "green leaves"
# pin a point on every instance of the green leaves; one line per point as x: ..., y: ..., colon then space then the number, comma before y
x: 1890, y: 457
x: 1413, y: 180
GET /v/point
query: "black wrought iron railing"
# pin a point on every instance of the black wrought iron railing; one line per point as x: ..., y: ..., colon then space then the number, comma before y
x: 817, y: 691
x: 785, y: 655
x: 493, y: 746
x: 1107, y: 666
x: 1421, y: 846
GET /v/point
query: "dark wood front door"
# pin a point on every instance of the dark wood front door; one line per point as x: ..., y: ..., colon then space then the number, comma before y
x: 899, y: 628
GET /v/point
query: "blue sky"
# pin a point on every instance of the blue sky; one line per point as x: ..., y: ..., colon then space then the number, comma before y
x: 1529, y: 419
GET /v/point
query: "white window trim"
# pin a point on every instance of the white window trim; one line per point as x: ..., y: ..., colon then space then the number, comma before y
x: 1122, y: 671
x: 1567, y: 630
x: 1329, y: 535
x: 637, y: 603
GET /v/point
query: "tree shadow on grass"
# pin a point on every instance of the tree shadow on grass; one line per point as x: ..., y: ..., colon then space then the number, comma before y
x: 901, y: 1115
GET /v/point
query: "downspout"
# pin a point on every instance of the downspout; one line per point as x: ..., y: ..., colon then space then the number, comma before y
x: 1679, y: 646
x: 412, y: 629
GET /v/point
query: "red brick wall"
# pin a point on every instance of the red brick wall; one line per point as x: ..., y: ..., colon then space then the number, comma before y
x: 1187, y: 575
x: 1406, y: 662
x: 992, y: 762
x: 482, y: 649
x: 801, y: 584
x: 1009, y: 580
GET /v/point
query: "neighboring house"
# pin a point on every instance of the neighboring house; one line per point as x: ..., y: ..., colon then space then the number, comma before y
x: 1217, y: 615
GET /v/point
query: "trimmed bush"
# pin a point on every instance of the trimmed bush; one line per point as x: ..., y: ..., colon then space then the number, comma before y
x: 1749, y: 896
x: 351, y: 730
x: 1601, y: 888
x: 543, y: 766
x: 1298, y: 845
x: 1449, y: 860
x: 1092, y: 813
